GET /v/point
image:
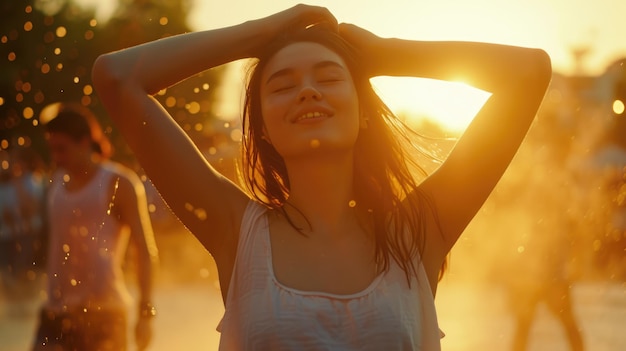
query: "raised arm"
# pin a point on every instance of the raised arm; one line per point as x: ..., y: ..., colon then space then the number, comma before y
x: 207, y: 203
x: 517, y: 79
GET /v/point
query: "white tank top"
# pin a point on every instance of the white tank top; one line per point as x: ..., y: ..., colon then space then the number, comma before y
x: 263, y: 314
x: 87, y: 245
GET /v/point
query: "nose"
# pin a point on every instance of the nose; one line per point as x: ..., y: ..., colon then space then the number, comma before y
x: 309, y: 91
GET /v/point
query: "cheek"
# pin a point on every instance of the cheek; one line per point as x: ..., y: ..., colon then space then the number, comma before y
x: 274, y: 110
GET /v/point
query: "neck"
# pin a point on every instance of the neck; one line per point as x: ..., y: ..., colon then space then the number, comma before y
x: 321, y: 189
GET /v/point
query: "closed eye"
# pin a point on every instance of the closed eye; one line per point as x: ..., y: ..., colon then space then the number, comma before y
x: 282, y: 88
x: 330, y: 80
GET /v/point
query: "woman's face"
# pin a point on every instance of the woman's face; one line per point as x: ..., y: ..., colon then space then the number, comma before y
x: 309, y: 101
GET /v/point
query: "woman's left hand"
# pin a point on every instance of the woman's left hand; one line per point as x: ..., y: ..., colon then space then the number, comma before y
x: 368, y: 45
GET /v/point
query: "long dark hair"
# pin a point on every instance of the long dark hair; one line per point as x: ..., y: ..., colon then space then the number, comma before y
x: 384, y: 185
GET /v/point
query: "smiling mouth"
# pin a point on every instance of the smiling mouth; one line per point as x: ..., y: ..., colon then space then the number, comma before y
x: 311, y: 115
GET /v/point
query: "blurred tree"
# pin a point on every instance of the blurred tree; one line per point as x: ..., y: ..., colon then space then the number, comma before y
x: 48, y: 52
x: 50, y: 46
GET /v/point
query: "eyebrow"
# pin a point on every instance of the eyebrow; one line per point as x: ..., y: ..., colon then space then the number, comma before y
x: 319, y: 65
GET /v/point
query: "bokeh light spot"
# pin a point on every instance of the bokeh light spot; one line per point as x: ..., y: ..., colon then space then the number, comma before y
x: 170, y: 101
x: 618, y: 107
x: 11, y: 57
x: 61, y: 32
x: 193, y: 107
x: 28, y: 113
x: 163, y: 21
x: 236, y: 135
x: 28, y: 26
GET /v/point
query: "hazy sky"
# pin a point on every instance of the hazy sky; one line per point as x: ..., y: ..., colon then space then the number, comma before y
x: 553, y: 25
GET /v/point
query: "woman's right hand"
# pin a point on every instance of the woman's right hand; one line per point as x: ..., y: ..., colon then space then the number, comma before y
x: 295, y: 18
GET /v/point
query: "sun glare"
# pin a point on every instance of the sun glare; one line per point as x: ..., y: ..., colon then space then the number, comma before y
x: 452, y: 105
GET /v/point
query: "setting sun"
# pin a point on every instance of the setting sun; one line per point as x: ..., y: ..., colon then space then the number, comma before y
x: 452, y: 105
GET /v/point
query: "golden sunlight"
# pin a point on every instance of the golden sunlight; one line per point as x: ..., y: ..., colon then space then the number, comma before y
x: 452, y: 105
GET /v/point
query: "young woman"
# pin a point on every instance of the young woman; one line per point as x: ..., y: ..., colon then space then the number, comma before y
x: 335, y: 245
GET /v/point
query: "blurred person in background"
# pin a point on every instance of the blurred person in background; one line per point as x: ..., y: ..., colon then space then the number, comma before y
x: 337, y: 244
x: 31, y: 180
x: 540, y: 272
x: 95, y: 208
x: 22, y: 226
x: 9, y: 234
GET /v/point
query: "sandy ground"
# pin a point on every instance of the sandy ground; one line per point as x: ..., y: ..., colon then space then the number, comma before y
x: 473, y: 318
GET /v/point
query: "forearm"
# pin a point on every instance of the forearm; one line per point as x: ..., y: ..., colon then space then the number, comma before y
x: 490, y: 67
x: 147, y: 261
x: 162, y: 63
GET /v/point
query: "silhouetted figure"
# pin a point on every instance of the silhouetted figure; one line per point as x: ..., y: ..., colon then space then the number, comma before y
x: 543, y: 232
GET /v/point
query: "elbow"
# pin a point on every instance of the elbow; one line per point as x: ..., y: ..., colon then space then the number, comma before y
x: 105, y: 78
x: 541, y: 67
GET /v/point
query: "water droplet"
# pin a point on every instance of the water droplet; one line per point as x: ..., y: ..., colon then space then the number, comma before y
x: 352, y: 203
